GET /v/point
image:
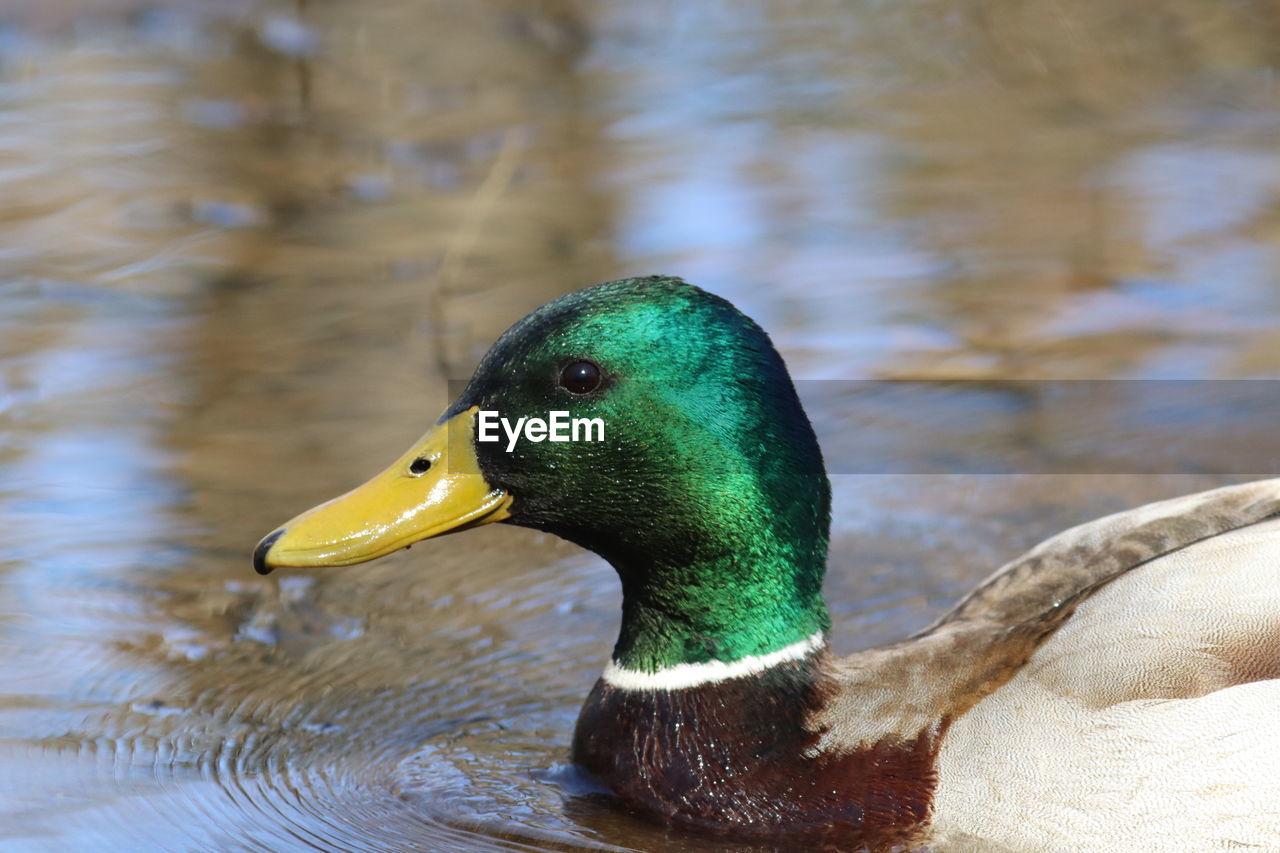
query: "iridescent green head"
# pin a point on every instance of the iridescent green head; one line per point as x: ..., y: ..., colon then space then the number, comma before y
x: 707, y: 493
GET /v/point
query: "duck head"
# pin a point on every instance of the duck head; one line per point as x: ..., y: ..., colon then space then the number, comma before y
x: 695, y: 472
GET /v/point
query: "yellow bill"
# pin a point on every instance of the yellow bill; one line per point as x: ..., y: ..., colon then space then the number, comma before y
x: 434, y: 488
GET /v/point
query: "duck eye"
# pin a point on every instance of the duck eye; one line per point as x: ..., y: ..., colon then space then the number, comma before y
x: 421, y: 465
x: 580, y: 377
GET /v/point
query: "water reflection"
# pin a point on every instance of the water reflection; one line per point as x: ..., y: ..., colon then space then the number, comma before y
x: 244, y: 245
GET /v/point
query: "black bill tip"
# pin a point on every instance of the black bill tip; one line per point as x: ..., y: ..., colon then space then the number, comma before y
x: 260, y: 553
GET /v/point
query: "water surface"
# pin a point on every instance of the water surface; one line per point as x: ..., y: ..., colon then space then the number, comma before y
x: 245, y: 247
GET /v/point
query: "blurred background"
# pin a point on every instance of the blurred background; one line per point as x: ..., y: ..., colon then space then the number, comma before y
x: 245, y: 245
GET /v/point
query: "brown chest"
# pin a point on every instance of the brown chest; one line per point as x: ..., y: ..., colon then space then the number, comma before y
x: 736, y: 758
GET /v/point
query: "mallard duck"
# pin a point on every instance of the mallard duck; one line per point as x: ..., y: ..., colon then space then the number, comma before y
x: 1114, y: 689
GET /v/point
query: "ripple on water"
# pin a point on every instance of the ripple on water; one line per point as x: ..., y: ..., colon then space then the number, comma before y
x: 305, y: 736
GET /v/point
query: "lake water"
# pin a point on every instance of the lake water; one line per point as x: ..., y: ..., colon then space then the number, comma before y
x: 246, y: 247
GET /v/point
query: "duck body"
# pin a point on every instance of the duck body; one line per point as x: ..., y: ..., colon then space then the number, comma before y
x: 1117, y: 688
x: 1111, y: 690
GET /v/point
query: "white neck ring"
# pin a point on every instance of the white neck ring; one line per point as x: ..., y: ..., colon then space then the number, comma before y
x: 685, y: 675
